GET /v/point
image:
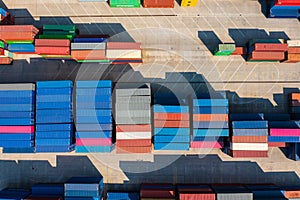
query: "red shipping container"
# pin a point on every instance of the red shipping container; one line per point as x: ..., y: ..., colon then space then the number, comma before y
x: 28, y: 36
x: 88, y: 54
x: 134, y: 149
x: 158, y: 3
x: 294, y: 50
x: 284, y: 132
x: 287, y: 2
x: 196, y: 192
x: 123, y: 45
x: 270, y: 47
x: 52, y: 51
x: 19, y: 28
x: 171, y: 124
x: 17, y: 129
x: 93, y: 141
x: 5, y: 60
x: 249, y: 139
x: 134, y: 143
x: 157, y: 191
x: 240, y: 51
x: 134, y: 128
x: 257, y: 55
x: 171, y: 116
x: 208, y: 144
x: 210, y: 117
x: 277, y: 144
x: 52, y: 43
x: 1, y: 52
x: 247, y: 154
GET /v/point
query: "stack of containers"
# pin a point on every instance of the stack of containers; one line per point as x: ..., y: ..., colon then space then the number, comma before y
x: 210, y: 123
x: 197, y: 192
x: 232, y: 192
x: 17, y: 194
x: 92, y: 51
x: 58, y: 32
x: 171, y: 127
x: 17, y: 117
x: 46, y: 192
x: 6, y: 18
x: 188, y: 3
x: 6, y: 57
x: 133, y: 120
x: 293, y: 55
x: 54, y: 130
x: 84, y: 188
x: 249, y: 136
x: 262, y: 192
x: 125, y: 4
x: 124, y: 52
x: 59, y: 48
x: 224, y: 50
x: 285, y: 8
x: 122, y: 196
x: 157, y: 191
x: 270, y: 50
x: 93, y: 116
x: 158, y: 3
x: 19, y: 38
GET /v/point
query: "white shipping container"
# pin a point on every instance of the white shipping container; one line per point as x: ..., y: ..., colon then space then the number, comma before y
x: 293, y: 43
x: 133, y: 135
x: 123, y: 54
x: 249, y: 146
x: 133, y: 92
x: 18, y: 86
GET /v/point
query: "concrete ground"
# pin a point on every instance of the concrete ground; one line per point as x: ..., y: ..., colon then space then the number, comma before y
x: 173, y: 40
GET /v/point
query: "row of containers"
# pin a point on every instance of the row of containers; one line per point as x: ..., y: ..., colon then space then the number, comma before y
x: 64, y: 42
x: 145, y: 3
x: 40, y: 118
x: 284, y: 8
x: 85, y: 188
x: 264, y: 50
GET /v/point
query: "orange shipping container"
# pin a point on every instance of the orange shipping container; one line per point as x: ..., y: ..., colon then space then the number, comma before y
x: 257, y: 55
x: 292, y: 193
x: 171, y: 124
x: 159, y: 3
x: 294, y: 57
x: 295, y: 96
x: 240, y: 51
x: 134, y: 149
x: 134, y: 143
x: 276, y: 144
x: 123, y: 45
x: 171, y: 116
x: 270, y: 47
x: 249, y: 139
x: 5, y: 60
x: 210, y: 117
x: 294, y: 50
x: 134, y: 128
x: 19, y: 28
x: 88, y: 54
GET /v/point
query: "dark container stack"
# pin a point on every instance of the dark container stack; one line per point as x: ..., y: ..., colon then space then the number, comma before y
x: 293, y: 55
x: 54, y: 118
x: 133, y: 120
x: 232, y: 192
x: 14, y: 194
x: 284, y: 8
x: 92, y: 50
x: 124, y: 52
x: 17, y: 108
x: 261, y: 192
x: 6, y: 18
x: 210, y: 123
x: 93, y: 116
x: 197, y: 192
x: 47, y: 192
x: 157, y: 191
x: 249, y: 137
x: 266, y: 50
x: 58, y: 48
x: 84, y: 188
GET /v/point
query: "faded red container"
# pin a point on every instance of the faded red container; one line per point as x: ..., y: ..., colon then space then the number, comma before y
x: 249, y: 139
x: 123, y: 45
x: 171, y: 124
x: 17, y: 36
x: 195, y: 192
x: 270, y: 47
x: 134, y: 128
x: 294, y: 50
x: 157, y: 191
x: 52, y: 51
x: 1, y: 52
x: 210, y: 117
x: 247, y: 154
x: 240, y: 51
x: 5, y: 60
x: 158, y: 3
x: 88, y: 54
x: 208, y: 144
x: 19, y: 28
x: 257, y: 55
x: 93, y: 141
x: 52, y: 43
x: 276, y: 144
x: 171, y: 116
x: 134, y: 143
x: 147, y: 149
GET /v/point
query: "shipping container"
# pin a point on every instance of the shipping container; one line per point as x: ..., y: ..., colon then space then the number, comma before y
x: 158, y: 3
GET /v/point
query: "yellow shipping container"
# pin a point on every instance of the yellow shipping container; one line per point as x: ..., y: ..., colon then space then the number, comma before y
x: 187, y: 3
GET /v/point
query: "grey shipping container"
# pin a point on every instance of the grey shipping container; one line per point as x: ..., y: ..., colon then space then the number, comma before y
x: 22, y: 86
x: 133, y: 92
x: 88, y: 46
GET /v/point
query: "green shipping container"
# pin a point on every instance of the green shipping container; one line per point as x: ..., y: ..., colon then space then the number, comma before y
x: 19, y: 42
x: 68, y: 28
x: 221, y: 53
x: 2, y: 44
x: 125, y: 3
x: 57, y: 33
x: 93, y: 61
x: 226, y: 47
x: 70, y: 37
